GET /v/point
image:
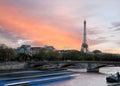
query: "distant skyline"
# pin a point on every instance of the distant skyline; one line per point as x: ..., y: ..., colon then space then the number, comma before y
x: 60, y: 23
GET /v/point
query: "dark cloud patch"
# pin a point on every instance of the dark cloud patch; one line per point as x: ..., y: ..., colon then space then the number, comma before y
x: 9, y: 35
x: 112, y: 36
x: 118, y: 43
x: 93, y: 31
x: 95, y: 42
x: 116, y: 24
x: 19, y: 2
x: 24, y: 5
x: 118, y: 29
x: 27, y: 5
x: 102, y: 38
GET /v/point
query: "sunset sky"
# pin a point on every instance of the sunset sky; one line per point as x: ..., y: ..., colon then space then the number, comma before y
x: 59, y: 23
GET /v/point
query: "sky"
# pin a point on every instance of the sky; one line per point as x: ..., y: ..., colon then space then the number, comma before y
x: 59, y: 23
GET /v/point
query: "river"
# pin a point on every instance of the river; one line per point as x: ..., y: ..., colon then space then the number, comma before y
x: 85, y: 79
x: 81, y: 78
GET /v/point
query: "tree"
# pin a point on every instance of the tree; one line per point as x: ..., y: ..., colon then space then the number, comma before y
x: 7, y: 54
x: 53, y: 55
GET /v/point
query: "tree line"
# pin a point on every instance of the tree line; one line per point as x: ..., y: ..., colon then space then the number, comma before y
x: 9, y: 54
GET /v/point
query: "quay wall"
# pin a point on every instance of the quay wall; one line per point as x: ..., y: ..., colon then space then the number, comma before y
x: 12, y: 65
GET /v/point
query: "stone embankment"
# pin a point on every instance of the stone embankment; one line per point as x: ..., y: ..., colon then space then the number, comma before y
x: 12, y: 65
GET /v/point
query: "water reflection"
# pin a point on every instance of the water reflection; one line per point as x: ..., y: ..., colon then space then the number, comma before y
x: 82, y: 79
x: 90, y: 79
x: 110, y: 70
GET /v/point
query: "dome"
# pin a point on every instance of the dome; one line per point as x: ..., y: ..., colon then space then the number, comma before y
x: 97, y: 51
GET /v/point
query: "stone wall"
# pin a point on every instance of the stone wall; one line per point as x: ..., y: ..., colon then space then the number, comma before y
x: 12, y: 65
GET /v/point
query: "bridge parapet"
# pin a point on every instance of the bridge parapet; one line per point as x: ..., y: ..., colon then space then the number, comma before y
x: 92, y: 66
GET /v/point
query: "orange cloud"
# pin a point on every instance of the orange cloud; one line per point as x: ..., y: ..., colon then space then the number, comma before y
x: 27, y: 26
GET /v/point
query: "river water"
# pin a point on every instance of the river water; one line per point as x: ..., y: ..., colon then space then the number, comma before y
x: 81, y: 78
x: 86, y: 79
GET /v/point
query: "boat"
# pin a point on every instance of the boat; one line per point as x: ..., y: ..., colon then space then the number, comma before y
x: 29, y: 78
x: 113, y: 78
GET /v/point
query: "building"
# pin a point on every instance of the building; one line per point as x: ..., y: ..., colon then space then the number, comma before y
x: 97, y: 52
x: 24, y: 49
x: 32, y: 50
x: 35, y: 50
x: 49, y: 47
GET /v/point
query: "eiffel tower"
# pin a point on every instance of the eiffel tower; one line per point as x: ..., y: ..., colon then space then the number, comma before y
x: 84, y: 47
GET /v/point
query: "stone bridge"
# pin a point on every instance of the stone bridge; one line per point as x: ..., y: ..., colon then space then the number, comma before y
x: 91, y: 66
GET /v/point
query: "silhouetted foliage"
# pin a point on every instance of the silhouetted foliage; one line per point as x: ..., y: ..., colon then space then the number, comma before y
x: 23, y: 57
x: 8, y: 54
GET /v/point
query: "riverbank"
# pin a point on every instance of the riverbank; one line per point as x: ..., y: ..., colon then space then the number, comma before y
x: 18, y: 66
x: 12, y: 65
